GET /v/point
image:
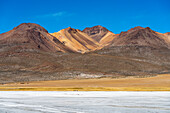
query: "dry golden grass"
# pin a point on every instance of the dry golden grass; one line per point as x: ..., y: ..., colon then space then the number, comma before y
x: 157, y: 83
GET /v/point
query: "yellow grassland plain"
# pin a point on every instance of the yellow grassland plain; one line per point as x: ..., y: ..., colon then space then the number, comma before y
x: 155, y: 83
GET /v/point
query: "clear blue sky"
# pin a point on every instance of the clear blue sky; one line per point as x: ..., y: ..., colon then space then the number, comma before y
x: 116, y: 15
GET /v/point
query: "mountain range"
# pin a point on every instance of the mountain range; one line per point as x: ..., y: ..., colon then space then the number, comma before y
x: 30, y: 53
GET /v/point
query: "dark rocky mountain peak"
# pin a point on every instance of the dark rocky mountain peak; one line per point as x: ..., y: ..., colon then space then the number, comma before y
x: 72, y: 30
x: 96, y: 32
x: 27, y: 26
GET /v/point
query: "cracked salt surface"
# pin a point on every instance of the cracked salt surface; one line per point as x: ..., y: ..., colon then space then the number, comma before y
x: 84, y: 102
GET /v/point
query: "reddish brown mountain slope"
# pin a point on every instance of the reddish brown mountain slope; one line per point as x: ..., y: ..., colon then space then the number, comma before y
x: 141, y: 37
x: 29, y: 36
x: 167, y: 37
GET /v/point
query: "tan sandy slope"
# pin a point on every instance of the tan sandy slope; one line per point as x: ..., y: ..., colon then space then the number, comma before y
x: 76, y: 40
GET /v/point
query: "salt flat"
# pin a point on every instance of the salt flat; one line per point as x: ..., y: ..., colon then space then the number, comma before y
x: 84, y: 102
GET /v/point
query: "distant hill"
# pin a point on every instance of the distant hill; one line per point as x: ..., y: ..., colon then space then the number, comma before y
x: 141, y: 37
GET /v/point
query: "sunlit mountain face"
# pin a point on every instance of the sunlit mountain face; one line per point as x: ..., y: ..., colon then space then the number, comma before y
x: 76, y: 40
